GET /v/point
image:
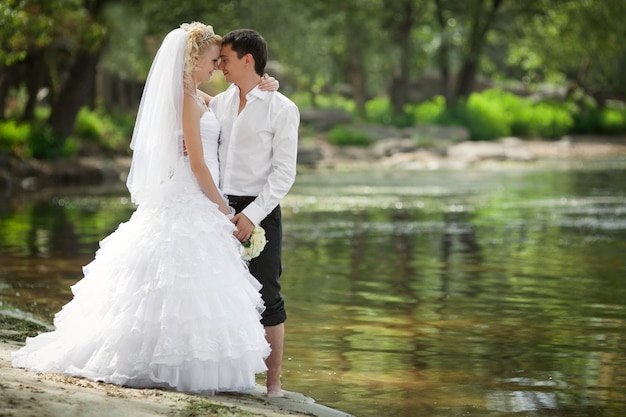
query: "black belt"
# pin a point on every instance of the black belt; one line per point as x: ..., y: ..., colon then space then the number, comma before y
x: 240, y: 198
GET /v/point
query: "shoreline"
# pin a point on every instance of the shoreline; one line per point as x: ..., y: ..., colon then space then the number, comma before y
x: 403, y: 154
x: 26, y: 393
x: 31, y: 175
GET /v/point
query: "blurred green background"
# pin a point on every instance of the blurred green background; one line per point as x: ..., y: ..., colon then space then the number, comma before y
x: 72, y: 71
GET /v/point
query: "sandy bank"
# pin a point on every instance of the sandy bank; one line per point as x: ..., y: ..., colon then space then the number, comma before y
x: 27, y: 394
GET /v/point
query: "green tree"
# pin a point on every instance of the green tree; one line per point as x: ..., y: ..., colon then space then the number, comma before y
x: 474, y: 20
x: 76, y: 86
x: 54, y: 46
x: 136, y: 31
x: 27, y: 29
x: 579, y: 44
x: 401, y: 18
x: 57, y: 52
x: 324, y: 43
x: 303, y: 47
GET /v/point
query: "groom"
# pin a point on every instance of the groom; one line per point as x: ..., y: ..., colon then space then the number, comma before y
x: 257, y: 152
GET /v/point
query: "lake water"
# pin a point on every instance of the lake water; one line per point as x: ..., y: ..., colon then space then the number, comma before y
x: 494, y: 291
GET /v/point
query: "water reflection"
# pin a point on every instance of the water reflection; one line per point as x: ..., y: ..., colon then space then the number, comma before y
x: 473, y: 293
x: 46, y: 238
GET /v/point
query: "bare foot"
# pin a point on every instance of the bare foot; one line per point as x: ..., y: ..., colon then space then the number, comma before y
x: 275, y: 392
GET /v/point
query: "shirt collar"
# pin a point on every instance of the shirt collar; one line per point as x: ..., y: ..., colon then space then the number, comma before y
x: 257, y: 93
x: 254, y: 93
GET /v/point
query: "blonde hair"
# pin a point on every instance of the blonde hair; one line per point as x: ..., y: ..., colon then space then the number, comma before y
x: 199, y: 36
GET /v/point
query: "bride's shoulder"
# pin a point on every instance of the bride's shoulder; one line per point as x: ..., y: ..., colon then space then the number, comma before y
x: 204, y: 96
x: 194, y: 104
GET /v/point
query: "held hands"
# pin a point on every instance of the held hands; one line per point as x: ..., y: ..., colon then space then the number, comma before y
x: 228, y: 211
x: 244, y: 227
x: 268, y: 83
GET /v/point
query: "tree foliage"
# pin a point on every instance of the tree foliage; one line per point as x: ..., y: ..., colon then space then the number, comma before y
x: 578, y: 43
x: 53, y: 48
x: 66, y: 54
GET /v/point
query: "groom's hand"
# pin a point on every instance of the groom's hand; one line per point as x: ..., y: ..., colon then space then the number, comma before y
x: 244, y: 227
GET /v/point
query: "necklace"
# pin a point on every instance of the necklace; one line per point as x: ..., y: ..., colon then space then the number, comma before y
x: 199, y: 100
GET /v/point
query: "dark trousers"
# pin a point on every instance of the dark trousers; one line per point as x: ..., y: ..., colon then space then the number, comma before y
x: 267, y: 267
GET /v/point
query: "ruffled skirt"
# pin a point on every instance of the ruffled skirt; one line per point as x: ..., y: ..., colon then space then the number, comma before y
x: 167, y: 302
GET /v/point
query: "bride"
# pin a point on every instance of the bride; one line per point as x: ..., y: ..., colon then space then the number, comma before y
x: 167, y: 301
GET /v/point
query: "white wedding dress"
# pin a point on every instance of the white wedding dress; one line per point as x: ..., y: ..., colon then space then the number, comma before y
x: 167, y: 301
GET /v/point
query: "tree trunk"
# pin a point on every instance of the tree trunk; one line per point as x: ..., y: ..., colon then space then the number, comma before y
x: 401, y: 80
x: 481, y: 25
x: 9, y: 77
x: 34, y: 75
x: 4, y: 92
x: 443, y: 58
x: 76, y: 92
x: 355, y: 63
x: 356, y: 76
x: 312, y: 92
x: 79, y: 87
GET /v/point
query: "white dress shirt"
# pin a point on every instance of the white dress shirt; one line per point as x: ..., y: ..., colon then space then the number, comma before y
x: 258, y: 147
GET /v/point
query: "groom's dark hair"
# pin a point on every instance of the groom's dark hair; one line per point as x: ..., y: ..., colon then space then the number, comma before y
x: 248, y: 41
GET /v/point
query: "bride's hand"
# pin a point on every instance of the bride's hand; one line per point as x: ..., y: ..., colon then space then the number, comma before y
x: 268, y: 83
x: 231, y: 213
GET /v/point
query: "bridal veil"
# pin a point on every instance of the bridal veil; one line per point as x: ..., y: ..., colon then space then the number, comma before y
x: 157, y: 136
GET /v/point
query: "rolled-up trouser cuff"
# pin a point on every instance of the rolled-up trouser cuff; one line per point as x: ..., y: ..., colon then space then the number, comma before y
x: 275, y: 314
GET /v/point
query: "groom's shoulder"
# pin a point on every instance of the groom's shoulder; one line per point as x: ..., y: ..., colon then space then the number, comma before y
x: 281, y: 101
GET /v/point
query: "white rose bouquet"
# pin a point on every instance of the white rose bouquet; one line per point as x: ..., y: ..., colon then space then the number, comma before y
x: 255, y: 245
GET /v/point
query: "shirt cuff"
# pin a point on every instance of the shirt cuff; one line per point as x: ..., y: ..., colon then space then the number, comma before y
x: 254, y: 212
